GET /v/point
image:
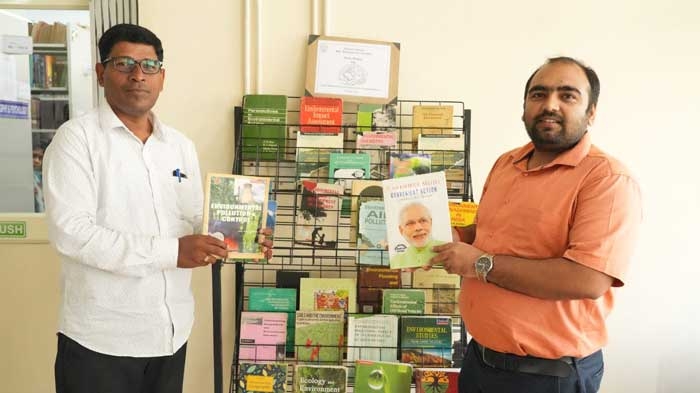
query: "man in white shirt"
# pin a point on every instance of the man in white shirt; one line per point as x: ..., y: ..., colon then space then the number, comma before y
x: 124, y: 203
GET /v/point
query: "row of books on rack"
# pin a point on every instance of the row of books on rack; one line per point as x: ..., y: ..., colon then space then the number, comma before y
x: 49, y: 112
x: 370, y: 377
x: 302, y: 310
x: 48, y: 33
x: 269, y: 124
x: 237, y: 206
x: 48, y: 71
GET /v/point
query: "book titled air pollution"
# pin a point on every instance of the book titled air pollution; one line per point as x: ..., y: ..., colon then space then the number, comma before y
x: 417, y: 218
x: 310, y: 378
x: 235, y: 209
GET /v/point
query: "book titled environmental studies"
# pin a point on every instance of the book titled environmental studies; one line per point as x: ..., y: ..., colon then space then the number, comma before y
x: 235, y: 208
x: 417, y: 218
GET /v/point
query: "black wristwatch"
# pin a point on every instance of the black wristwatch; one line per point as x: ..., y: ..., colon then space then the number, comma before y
x: 483, y: 266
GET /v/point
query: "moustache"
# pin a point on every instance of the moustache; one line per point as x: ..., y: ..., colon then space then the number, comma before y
x: 549, y: 115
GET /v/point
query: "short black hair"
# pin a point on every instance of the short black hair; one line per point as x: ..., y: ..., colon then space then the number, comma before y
x: 129, y: 33
x: 593, y: 81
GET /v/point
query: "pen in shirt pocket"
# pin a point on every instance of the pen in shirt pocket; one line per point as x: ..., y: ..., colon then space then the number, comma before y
x: 179, y: 174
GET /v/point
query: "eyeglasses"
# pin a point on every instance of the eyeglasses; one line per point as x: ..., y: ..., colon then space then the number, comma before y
x: 127, y: 64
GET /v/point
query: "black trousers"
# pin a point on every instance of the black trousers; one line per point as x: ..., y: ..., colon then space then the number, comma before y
x: 80, y: 370
x: 478, y: 377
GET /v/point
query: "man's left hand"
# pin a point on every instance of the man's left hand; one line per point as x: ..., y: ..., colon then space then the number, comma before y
x: 457, y: 258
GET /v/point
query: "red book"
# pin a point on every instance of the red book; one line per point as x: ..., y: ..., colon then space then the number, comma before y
x: 444, y: 380
x: 321, y: 115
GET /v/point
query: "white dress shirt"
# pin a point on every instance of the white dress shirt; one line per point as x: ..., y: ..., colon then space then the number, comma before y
x: 115, y: 212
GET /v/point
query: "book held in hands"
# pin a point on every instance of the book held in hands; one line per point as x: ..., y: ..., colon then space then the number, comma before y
x: 235, y: 208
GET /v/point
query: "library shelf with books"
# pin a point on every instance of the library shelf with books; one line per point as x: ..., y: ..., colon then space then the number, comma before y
x: 295, y: 265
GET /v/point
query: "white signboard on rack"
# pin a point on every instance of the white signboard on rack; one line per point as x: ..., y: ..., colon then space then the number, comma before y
x: 16, y: 44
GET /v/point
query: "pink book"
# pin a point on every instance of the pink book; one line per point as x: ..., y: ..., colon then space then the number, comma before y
x: 263, y: 336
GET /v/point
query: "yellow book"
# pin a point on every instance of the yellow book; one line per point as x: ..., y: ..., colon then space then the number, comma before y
x: 432, y: 119
x: 462, y: 214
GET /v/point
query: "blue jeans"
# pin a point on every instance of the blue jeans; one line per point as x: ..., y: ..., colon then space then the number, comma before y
x: 478, y: 377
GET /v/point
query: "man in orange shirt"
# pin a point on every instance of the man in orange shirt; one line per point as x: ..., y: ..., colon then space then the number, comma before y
x: 554, y: 233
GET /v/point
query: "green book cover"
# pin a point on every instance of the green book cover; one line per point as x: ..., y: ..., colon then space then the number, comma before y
x: 320, y: 379
x: 276, y: 299
x: 264, y: 126
x: 343, y: 168
x: 382, y: 377
x: 426, y: 340
x: 262, y: 377
x: 403, y: 301
x: 319, y: 336
x: 364, y: 116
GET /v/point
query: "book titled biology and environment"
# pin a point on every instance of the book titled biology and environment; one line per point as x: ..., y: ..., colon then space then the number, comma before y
x: 235, y: 208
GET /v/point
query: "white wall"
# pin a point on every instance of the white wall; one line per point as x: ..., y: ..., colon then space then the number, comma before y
x: 481, y: 53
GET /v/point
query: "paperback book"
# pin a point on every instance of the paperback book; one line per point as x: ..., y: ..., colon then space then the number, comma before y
x: 441, y: 289
x: 372, y: 240
x: 403, y: 301
x: 264, y: 127
x: 376, y: 144
x: 313, y: 378
x: 417, y: 218
x: 319, y: 336
x: 373, y: 337
x: 262, y: 336
x: 277, y: 300
x: 432, y: 119
x: 382, y: 377
x: 290, y: 279
x: 426, y: 340
x: 323, y: 294
x: 313, y: 154
x: 371, y: 281
x: 436, y: 380
x: 320, y: 115
x: 462, y: 214
x: 362, y: 191
x: 343, y: 170
x: 235, y: 208
x: 262, y: 377
x: 318, y: 213
x: 408, y: 164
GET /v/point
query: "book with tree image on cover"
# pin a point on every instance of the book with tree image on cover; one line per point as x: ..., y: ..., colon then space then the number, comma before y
x: 417, y: 218
x: 321, y: 294
x: 314, y: 378
x: 318, y: 214
x: 436, y: 380
x: 261, y: 377
x: 319, y: 336
x: 264, y: 126
x: 235, y: 208
x: 382, y: 377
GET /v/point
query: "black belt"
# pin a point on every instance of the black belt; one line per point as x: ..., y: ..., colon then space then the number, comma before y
x: 561, y: 367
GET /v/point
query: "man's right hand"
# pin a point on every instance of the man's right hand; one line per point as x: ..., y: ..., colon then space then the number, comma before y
x: 199, y: 250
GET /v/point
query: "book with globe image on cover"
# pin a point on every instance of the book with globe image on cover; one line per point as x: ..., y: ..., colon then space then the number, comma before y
x: 235, y: 208
x: 382, y: 377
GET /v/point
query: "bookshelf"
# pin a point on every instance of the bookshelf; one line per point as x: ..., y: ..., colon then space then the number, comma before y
x: 281, y: 165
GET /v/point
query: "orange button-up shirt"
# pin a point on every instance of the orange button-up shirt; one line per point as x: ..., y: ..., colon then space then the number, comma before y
x: 583, y: 206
